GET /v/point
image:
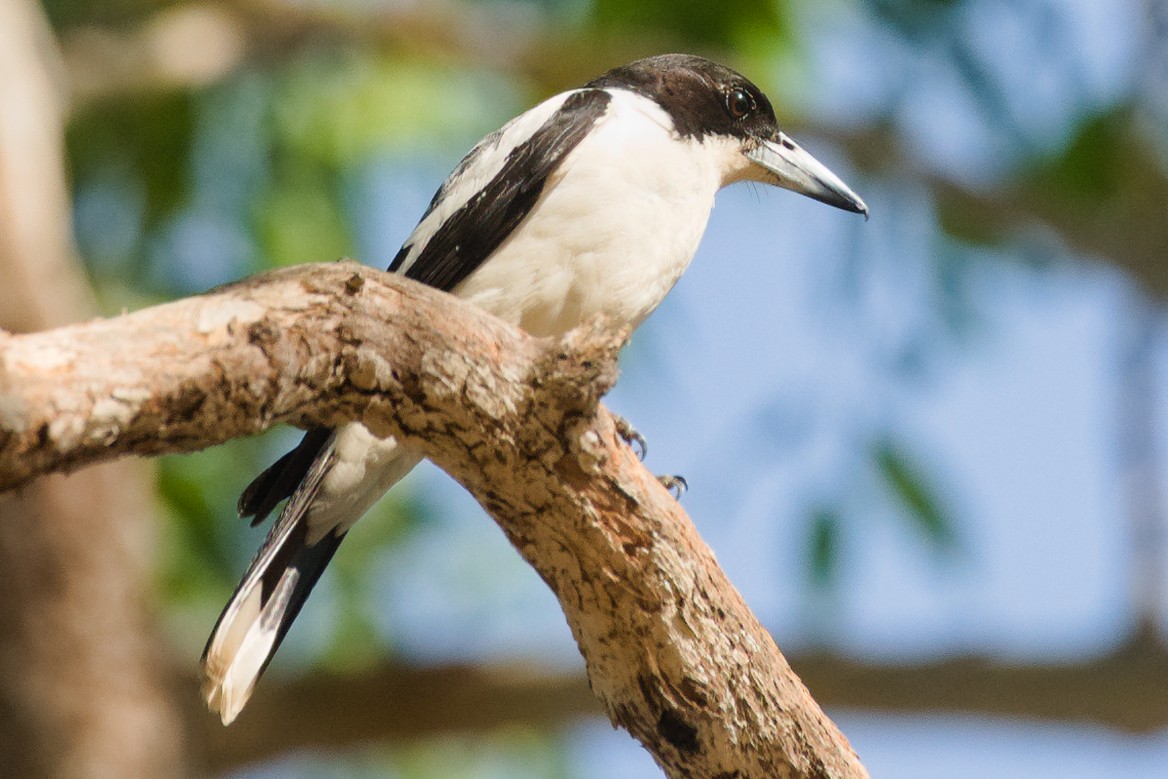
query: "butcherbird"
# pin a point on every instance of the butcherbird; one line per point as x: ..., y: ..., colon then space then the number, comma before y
x: 592, y: 202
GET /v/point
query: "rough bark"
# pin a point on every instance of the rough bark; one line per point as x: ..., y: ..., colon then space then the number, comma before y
x: 82, y: 680
x: 671, y: 649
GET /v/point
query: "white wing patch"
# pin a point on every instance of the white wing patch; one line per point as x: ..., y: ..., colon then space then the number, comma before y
x: 477, y: 169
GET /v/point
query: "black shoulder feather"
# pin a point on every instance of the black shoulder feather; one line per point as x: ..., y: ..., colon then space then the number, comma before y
x: 466, y: 239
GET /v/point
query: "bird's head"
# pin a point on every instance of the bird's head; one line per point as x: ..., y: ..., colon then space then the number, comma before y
x: 709, y: 102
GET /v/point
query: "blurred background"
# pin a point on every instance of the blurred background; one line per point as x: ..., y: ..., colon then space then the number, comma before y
x: 927, y: 448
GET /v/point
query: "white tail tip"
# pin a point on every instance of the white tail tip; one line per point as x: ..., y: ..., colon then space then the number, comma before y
x: 241, y: 647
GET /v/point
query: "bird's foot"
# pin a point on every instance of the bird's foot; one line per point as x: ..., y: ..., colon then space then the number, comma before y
x: 677, y: 485
x: 629, y: 434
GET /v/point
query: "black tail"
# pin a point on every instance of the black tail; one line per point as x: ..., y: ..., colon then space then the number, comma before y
x: 282, y: 478
x: 269, y: 597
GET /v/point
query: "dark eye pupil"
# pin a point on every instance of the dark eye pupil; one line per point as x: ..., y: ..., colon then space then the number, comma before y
x: 739, y: 103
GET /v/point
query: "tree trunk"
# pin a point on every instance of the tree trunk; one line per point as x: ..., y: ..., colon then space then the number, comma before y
x: 82, y: 691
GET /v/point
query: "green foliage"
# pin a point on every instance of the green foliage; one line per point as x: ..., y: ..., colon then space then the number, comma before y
x: 252, y: 173
x: 823, y: 546
x: 696, y: 23
x: 299, y: 218
x: 1092, y: 165
x: 206, y: 545
x: 112, y: 12
x: 512, y: 754
x: 147, y: 138
x: 506, y: 753
x: 916, y: 19
x: 914, y: 490
x: 340, y: 107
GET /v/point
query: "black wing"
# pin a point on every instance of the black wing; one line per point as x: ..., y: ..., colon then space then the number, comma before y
x: 281, y: 478
x: 474, y: 231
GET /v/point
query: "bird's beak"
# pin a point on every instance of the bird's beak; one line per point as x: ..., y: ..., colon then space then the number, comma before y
x: 788, y: 166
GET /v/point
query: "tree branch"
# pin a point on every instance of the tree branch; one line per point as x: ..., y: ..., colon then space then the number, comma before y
x: 333, y: 712
x: 671, y: 649
x: 310, y: 345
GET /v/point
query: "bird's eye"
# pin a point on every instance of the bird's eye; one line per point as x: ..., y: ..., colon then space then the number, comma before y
x: 739, y: 103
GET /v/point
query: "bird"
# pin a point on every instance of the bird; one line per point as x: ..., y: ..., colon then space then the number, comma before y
x: 591, y: 203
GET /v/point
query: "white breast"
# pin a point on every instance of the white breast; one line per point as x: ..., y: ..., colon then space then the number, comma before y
x: 614, y: 229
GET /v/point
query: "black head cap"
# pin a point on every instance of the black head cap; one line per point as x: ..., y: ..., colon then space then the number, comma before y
x: 705, y: 99
x: 701, y: 96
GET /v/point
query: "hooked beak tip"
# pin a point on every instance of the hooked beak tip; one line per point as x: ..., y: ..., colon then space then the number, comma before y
x: 860, y: 207
x: 787, y: 165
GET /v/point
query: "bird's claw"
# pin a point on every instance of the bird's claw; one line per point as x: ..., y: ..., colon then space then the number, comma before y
x: 677, y: 485
x: 630, y: 436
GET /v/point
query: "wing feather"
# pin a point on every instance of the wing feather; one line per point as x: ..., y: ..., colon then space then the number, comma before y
x: 470, y: 234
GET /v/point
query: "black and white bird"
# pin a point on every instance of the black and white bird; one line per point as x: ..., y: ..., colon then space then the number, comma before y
x: 592, y: 202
